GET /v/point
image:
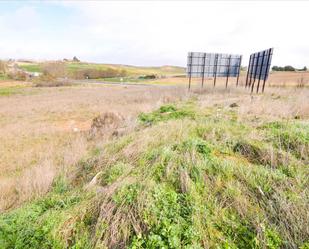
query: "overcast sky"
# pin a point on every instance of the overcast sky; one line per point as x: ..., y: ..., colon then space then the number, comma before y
x: 153, y: 32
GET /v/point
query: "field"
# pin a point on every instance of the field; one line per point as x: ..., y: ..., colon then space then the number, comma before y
x: 276, y: 79
x: 153, y: 165
x: 38, y: 124
x: 131, y: 70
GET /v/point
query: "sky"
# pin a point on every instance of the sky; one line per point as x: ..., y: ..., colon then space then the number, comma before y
x: 153, y: 33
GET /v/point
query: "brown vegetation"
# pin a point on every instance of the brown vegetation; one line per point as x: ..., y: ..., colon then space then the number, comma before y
x: 45, y: 132
x: 42, y: 129
x: 17, y: 75
x: 97, y: 73
x: 3, y: 67
x: 54, y: 69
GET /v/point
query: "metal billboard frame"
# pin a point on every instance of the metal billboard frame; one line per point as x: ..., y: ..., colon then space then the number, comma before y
x: 258, y: 68
x: 217, y: 69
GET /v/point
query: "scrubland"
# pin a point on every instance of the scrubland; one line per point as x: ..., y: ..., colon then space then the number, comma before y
x: 98, y: 166
x: 42, y: 129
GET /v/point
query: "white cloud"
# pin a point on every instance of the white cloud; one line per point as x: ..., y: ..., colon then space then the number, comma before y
x: 157, y: 32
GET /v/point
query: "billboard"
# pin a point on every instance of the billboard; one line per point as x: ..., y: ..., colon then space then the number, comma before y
x: 258, y: 69
x: 213, y: 65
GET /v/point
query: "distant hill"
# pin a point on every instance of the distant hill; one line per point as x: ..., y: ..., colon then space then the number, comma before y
x: 131, y: 70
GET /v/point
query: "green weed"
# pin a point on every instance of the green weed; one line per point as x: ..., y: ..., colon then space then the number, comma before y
x: 165, y: 113
x: 113, y: 173
x: 8, y: 91
x: 217, y: 183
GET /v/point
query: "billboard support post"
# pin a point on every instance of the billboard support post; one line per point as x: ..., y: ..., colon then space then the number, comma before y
x: 248, y: 71
x: 203, y: 70
x: 251, y: 71
x: 228, y: 71
x: 270, y: 52
x: 190, y: 70
x: 255, y: 71
x: 239, y: 71
x: 261, y: 69
x: 216, y: 67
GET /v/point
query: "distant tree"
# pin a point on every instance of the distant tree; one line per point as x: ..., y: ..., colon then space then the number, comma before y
x: 305, y: 68
x: 75, y: 59
x: 275, y: 68
x: 289, y: 68
x: 285, y: 68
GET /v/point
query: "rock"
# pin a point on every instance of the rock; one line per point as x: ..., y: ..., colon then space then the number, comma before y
x: 234, y: 105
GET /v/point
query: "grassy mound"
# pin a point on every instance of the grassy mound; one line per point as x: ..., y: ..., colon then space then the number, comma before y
x: 186, y: 178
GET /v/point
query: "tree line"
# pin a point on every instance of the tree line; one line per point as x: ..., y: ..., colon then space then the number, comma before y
x: 288, y: 68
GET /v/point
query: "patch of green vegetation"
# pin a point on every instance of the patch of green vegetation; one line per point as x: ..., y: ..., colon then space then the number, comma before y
x: 199, y: 178
x: 74, y: 66
x: 33, y: 226
x: 169, y: 219
x: 305, y: 246
x: 166, y: 112
x: 119, y: 145
x: 238, y: 233
x: 197, y: 144
x: 31, y: 67
x: 85, y: 170
x: 127, y: 194
x: 3, y: 76
x: 8, y: 91
x: 112, y: 174
x: 290, y: 136
x: 273, y: 240
x: 60, y: 185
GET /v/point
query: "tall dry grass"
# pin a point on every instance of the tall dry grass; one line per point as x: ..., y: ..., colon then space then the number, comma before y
x: 45, y: 131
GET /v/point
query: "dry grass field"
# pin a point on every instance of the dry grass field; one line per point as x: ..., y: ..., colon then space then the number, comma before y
x: 42, y: 129
x: 276, y: 79
x: 49, y: 132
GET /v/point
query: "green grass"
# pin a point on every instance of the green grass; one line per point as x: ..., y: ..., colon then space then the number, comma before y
x: 3, y: 76
x: 31, y: 67
x: 131, y: 70
x: 78, y: 65
x: 188, y: 177
x: 166, y: 112
x: 8, y: 91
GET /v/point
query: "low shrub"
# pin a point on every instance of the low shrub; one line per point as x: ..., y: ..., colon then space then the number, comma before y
x: 165, y: 113
x: 17, y: 75
x: 97, y: 73
x: 47, y: 80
